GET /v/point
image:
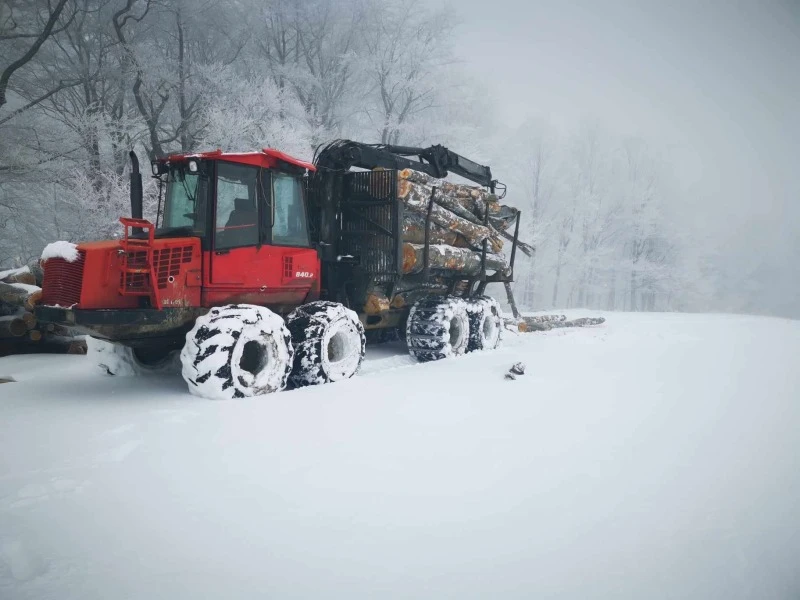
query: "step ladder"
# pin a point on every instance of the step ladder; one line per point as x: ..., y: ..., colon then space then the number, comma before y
x: 130, y: 245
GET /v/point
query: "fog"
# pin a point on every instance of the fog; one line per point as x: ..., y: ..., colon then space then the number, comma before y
x: 647, y: 151
x: 714, y: 84
x: 662, y: 135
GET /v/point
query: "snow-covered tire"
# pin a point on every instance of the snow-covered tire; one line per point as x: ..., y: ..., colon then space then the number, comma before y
x: 437, y: 327
x: 329, y: 343
x: 485, y: 323
x: 116, y: 359
x: 236, y: 351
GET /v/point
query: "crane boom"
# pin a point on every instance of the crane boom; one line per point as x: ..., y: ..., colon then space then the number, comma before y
x: 437, y: 161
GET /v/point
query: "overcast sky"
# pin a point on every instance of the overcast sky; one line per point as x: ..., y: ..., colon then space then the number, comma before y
x: 717, y: 83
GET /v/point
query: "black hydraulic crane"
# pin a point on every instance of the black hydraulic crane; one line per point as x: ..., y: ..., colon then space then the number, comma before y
x: 436, y: 161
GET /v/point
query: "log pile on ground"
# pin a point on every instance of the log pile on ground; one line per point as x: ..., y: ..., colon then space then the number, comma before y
x: 527, y: 324
x: 20, y: 333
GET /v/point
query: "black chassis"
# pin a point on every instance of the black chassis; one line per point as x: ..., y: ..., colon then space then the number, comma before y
x: 137, y: 327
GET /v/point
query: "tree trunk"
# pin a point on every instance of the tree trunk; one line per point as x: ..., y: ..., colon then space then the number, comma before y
x: 557, y: 281
x: 21, y: 276
x: 612, y: 292
x: 463, y: 260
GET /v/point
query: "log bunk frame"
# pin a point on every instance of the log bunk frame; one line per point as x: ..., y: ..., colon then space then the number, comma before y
x: 360, y: 222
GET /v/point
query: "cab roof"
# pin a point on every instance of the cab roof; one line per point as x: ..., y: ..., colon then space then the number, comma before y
x: 266, y: 157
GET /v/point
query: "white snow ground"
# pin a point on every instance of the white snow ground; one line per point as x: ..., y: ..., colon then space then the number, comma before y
x: 656, y: 456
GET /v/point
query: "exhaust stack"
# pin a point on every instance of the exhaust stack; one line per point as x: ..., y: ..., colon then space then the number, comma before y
x: 136, y: 188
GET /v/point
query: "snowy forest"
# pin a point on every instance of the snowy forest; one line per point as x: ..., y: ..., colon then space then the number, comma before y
x: 82, y: 82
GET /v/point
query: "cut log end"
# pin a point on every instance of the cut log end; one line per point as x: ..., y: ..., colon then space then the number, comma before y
x: 376, y: 304
x: 14, y: 327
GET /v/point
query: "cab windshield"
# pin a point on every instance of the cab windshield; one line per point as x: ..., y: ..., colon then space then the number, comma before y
x: 184, y: 203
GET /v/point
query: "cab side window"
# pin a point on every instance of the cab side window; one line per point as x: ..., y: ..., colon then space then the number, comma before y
x: 289, y: 226
x: 237, y: 213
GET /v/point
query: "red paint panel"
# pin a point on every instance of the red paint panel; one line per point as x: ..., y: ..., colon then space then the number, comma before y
x: 266, y: 158
x: 173, y: 259
x: 262, y: 275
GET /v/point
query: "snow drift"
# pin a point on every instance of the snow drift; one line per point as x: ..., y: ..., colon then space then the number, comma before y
x: 653, y: 457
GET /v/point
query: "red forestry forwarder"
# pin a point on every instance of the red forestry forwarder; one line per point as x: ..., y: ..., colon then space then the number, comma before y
x: 264, y: 270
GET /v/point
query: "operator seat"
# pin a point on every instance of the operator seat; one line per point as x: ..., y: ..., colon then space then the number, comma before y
x: 241, y: 228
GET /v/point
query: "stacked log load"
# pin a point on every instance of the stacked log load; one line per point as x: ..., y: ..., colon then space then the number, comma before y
x: 20, y: 333
x: 458, y: 227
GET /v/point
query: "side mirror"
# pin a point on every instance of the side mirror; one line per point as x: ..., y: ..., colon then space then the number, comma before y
x: 158, y: 168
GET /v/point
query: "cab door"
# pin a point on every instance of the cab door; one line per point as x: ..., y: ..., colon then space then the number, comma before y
x: 289, y: 239
x: 246, y: 266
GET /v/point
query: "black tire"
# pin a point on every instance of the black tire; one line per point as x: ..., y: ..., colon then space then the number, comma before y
x: 485, y: 323
x: 236, y: 351
x: 438, y: 327
x: 329, y: 343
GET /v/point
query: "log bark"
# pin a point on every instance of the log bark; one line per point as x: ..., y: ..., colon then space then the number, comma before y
x: 376, y: 303
x: 38, y: 273
x: 30, y: 319
x: 471, y: 199
x: 12, y: 298
x: 414, y: 232
x: 23, y: 277
x: 463, y: 260
x: 548, y: 322
x: 33, y: 300
x: 416, y: 198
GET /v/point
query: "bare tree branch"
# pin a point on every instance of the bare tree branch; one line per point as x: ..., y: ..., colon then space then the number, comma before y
x: 31, y: 52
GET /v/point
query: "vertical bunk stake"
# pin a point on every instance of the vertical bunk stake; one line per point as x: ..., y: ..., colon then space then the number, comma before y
x: 426, y: 269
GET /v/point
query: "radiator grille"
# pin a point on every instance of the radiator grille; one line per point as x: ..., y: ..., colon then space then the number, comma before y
x: 372, y: 219
x: 63, y: 281
x: 288, y: 267
x: 168, y: 262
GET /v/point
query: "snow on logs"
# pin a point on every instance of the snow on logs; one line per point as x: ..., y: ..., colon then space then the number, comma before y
x: 441, y: 256
x: 457, y: 228
x: 416, y: 198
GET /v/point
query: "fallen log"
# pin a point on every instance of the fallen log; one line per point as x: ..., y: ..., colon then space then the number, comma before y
x: 33, y: 300
x: 440, y: 256
x: 548, y: 322
x: 376, y: 303
x: 12, y: 298
x: 22, y: 275
x: 17, y: 296
x: 29, y: 318
x: 38, y: 273
x: 12, y: 327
